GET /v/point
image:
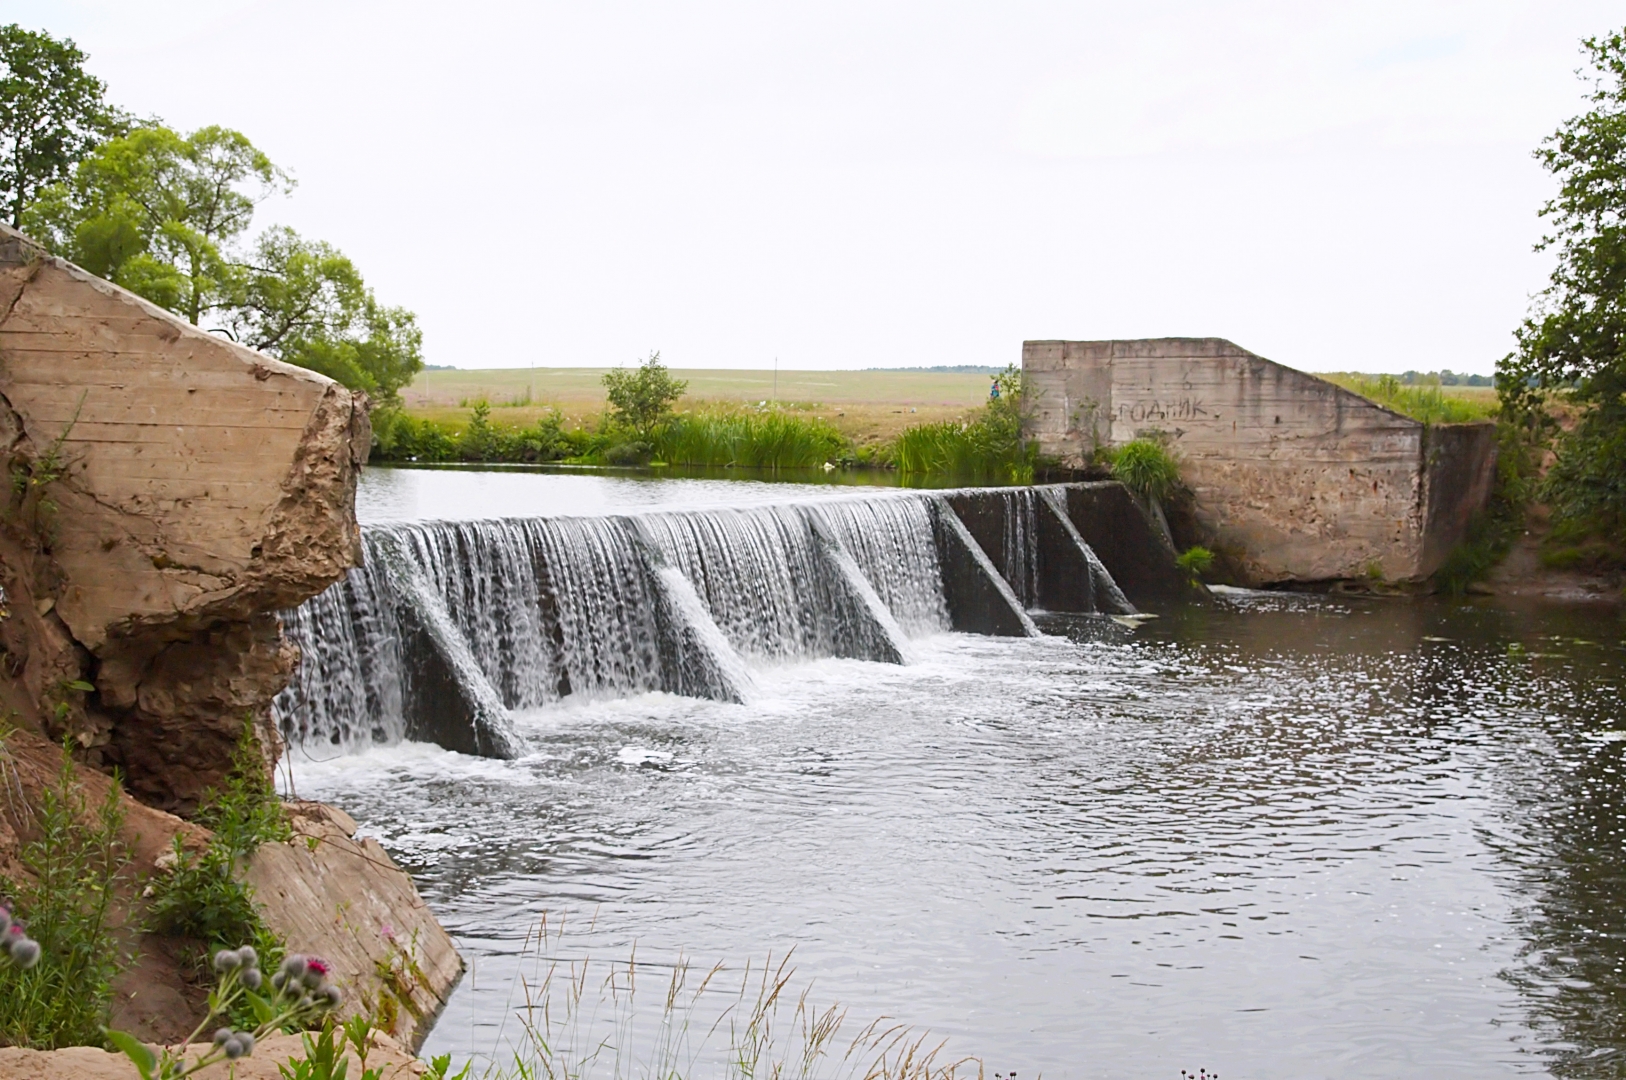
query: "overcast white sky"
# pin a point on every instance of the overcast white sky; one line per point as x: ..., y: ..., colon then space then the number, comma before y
x: 856, y: 184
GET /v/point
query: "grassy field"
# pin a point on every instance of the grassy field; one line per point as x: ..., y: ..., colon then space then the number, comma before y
x: 866, y: 406
x: 869, y: 407
x: 1422, y: 401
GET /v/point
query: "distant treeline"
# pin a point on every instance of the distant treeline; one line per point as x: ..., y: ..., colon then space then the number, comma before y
x: 1444, y: 377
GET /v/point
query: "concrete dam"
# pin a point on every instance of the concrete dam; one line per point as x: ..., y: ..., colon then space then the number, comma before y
x: 448, y: 626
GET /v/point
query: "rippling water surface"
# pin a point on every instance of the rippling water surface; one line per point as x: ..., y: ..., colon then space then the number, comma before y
x: 1275, y: 837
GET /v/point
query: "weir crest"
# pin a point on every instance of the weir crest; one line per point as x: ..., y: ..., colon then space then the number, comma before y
x: 450, y: 626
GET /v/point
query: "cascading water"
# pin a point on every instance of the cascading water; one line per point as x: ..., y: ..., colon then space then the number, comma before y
x: 450, y: 625
x: 1021, y: 527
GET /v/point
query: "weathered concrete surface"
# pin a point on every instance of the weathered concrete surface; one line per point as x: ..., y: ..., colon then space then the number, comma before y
x: 90, y: 1063
x: 201, y: 485
x: 1294, y: 478
x: 330, y: 895
x: 1068, y: 576
x: 1124, y: 539
x: 980, y: 601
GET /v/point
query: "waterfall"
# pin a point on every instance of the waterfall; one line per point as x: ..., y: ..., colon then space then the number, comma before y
x: 448, y: 627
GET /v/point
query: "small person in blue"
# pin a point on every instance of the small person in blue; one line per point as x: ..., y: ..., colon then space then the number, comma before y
x: 993, y: 391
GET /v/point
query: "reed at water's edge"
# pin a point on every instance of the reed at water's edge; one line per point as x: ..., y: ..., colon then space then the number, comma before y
x: 757, y: 439
x: 586, y: 1019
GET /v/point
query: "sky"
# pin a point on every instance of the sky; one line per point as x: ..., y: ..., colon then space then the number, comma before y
x: 1336, y: 186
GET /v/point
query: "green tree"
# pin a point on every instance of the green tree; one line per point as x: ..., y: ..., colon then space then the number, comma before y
x: 304, y: 302
x: 1575, y: 338
x: 641, y: 398
x: 157, y: 213
x: 51, y: 115
x: 166, y: 216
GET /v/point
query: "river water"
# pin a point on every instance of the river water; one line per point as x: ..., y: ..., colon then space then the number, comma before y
x: 1272, y: 836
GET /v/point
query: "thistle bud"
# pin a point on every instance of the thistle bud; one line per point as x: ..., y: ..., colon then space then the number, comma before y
x: 248, y: 956
x: 247, y: 1039
x: 332, y: 995
x: 251, y: 978
x: 316, y: 972
x: 293, y: 966
x: 25, y: 953
x: 233, y: 1047
x: 221, y: 1035
x: 279, y: 980
x: 227, y: 960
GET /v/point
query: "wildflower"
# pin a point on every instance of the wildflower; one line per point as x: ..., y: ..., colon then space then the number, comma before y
x: 293, y: 966
x: 247, y: 1039
x: 251, y: 978
x: 387, y: 932
x: 221, y: 1035
x: 250, y: 958
x: 227, y: 960
x: 233, y: 1048
x: 316, y: 972
x: 333, y: 996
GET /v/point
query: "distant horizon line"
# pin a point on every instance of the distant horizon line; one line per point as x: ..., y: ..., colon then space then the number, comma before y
x: 943, y: 369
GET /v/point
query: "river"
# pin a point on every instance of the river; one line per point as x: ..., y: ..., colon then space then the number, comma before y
x: 1273, y: 835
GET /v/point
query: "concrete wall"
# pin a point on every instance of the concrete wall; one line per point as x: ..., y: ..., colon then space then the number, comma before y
x: 1296, y: 478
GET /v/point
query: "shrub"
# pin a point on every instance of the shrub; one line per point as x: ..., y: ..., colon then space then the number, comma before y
x: 1145, y: 467
x: 640, y: 399
x: 76, y: 861
x: 201, y: 897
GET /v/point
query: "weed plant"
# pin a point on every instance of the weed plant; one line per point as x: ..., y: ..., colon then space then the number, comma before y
x: 1425, y: 403
x: 201, y: 897
x: 764, y: 440
x: 1194, y: 562
x: 297, y: 996
x: 1145, y: 467
x: 75, y: 861
x: 588, y: 1020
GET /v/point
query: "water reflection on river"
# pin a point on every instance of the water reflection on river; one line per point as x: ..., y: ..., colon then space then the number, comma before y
x: 1277, y: 837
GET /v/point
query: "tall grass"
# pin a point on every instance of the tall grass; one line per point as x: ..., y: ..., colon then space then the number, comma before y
x: 631, y: 1020
x: 1145, y: 467
x: 74, y: 861
x: 958, y: 448
x: 986, y: 447
x: 1428, y: 404
x: 763, y: 440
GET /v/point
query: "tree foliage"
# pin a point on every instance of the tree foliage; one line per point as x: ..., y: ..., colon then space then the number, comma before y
x: 641, y: 398
x: 158, y: 213
x: 1575, y: 338
x: 304, y: 302
x: 51, y: 115
x: 167, y: 216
